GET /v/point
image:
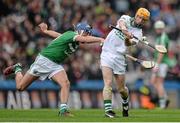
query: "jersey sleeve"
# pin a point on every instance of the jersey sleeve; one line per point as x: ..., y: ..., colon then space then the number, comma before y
x: 124, y: 18
x: 74, y: 38
x: 139, y: 35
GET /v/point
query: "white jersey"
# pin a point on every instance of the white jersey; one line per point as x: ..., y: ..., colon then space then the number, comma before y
x: 115, y: 41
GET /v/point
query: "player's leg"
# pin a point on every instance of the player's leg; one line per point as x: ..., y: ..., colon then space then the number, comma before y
x: 107, y: 91
x: 153, y: 81
x: 157, y: 81
x: 119, y: 72
x: 124, y: 92
x: 62, y: 79
x: 161, y: 92
x: 22, y: 82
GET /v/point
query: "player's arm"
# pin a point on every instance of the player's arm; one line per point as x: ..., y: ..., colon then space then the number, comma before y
x: 160, y: 57
x: 44, y: 29
x: 128, y: 36
x: 122, y: 25
x: 88, y: 39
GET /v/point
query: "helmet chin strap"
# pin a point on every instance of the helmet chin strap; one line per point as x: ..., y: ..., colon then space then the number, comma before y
x: 138, y: 25
x: 81, y: 32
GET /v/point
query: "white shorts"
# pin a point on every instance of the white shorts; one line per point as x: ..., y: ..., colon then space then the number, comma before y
x: 116, y: 62
x: 44, y: 68
x: 162, y: 72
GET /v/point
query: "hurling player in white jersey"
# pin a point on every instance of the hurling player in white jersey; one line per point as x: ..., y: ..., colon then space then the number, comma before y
x: 113, y: 59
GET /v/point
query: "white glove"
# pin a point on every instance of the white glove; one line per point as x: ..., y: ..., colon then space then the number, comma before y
x: 133, y: 40
x: 144, y: 38
x: 101, y: 44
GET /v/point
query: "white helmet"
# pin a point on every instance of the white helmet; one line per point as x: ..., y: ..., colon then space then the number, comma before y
x: 159, y: 24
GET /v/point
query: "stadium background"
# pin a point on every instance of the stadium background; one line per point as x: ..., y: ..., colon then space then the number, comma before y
x: 21, y: 40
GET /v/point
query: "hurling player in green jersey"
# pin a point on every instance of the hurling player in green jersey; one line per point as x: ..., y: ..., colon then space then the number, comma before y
x: 48, y: 63
x: 162, y: 63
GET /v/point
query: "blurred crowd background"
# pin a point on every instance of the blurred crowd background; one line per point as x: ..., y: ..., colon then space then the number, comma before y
x: 21, y: 39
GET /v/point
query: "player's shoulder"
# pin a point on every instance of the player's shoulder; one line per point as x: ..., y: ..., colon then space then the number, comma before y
x: 69, y: 32
x: 164, y: 36
x: 69, y: 35
x: 125, y: 17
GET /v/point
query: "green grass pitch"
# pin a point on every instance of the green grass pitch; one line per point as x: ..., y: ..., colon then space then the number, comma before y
x: 89, y: 115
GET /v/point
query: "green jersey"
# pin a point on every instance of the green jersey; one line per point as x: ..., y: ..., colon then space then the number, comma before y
x: 163, y: 40
x: 61, y: 47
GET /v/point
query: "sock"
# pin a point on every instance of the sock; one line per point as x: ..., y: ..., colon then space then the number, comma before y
x: 107, y: 105
x: 124, y: 95
x: 125, y: 100
x: 125, y: 103
x: 162, y: 102
x: 18, y: 69
x: 63, y: 107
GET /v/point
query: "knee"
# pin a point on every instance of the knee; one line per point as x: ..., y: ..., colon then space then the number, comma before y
x: 108, y: 82
x: 66, y: 84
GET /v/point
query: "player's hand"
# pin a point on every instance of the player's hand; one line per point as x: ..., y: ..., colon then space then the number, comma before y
x: 102, y: 40
x: 43, y: 27
x: 127, y: 42
x: 134, y: 41
x: 130, y: 42
x: 155, y: 68
x: 101, y: 44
